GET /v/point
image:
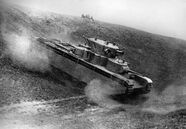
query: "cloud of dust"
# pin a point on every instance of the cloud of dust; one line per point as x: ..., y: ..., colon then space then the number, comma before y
x: 171, y: 99
x: 24, y: 51
x: 98, y: 92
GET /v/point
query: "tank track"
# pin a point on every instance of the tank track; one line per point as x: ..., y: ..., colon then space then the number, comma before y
x: 129, y: 90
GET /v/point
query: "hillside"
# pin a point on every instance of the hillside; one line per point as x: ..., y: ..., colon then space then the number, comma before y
x: 161, y: 58
x: 49, y: 98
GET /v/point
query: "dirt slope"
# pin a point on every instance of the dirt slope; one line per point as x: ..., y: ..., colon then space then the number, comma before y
x: 161, y: 58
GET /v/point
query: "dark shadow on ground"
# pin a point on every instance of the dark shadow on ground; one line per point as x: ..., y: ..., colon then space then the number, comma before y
x: 130, y: 99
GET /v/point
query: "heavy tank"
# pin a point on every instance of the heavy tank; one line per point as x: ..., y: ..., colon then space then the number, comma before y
x: 102, y: 57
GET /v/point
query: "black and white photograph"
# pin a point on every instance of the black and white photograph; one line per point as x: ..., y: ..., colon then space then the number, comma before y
x: 92, y: 64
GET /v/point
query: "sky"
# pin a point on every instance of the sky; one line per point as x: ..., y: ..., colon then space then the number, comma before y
x: 164, y: 17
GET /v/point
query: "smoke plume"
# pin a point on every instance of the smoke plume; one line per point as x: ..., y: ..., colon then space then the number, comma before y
x: 24, y: 51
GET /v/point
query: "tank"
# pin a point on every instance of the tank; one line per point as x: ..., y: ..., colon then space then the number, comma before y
x: 102, y: 57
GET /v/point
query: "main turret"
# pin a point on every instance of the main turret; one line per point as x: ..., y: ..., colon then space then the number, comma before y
x: 104, y: 48
x: 106, y: 54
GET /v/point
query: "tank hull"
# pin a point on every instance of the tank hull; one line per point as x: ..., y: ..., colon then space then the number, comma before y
x: 63, y: 59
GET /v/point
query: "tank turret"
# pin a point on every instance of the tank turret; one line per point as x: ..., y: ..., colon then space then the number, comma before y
x: 109, y: 52
x: 104, y: 48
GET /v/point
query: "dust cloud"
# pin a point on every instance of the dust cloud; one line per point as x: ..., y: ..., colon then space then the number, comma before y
x: 171, y: 99
x: 99, y: 91
x: 24, y: 51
